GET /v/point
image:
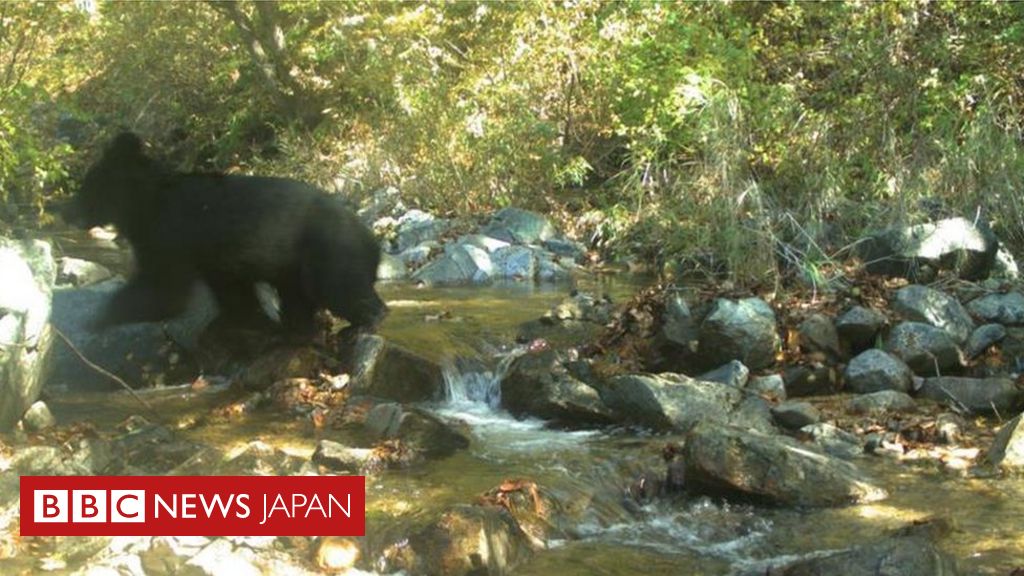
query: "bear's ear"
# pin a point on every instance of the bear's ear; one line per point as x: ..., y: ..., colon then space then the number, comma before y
x: 125, y: 144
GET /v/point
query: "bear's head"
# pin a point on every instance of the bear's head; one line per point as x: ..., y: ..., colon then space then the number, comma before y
x: 111, y: 189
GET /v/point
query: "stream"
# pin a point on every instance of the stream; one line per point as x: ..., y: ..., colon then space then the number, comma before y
x: 470, y: 330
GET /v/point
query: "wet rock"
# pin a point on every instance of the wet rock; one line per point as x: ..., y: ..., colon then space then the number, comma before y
x: 771, y: 386
x: 818, y: 334
x: 927, y: 350
x: 539, y: 385
x: 982, y: 339
x: 1006, y: 309
x: 668, y: 401
x: 834, y: 441
x: 875, y: 370
x: 280, y: 364
x: 922, y: 304
x: 1007, y: 448
x: 391, y: 268
x: 384, y: 370
x: 460, y: 264
x: 28, y: 273
x: 679, y: 325
x: 955, y: 244
x: 257, y: 458
x: 518, y: 226
x: 734, y: 374
x: 417, y: 255
x: 93, y: 454
x: 908, y: 553
x: 859, y: 327
x: 486, y: 243
x: 583, y: 307
x: 344, y: 459
x: 467, y: 541
x: 514, y: 262
x: 813, y: 379
x: 140, y: 353
x: 336, y: 553
x: 882, y: 402
x: 754, y: 413
x: 221, y: 556
x: 416, y: 227
x: 795, y: 415
x: 575, y: 319
x: 44, y: 461
x: 550, y: 269
x: 421, y: 432
x: 950, y: 428
x: 76, y: 272
x: 978, y: 395
x: 565, y: 248
x: 739, y: 330
x: 38, y: 417
x: 727, y: 460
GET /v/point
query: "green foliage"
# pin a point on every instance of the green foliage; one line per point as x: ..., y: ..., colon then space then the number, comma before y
x: 700, y: 131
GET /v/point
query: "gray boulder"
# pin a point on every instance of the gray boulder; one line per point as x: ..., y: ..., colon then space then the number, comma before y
x: 416, y: 227
x: 1006, y: 309
x: 908, y: 553
x: 518, y: 226
x: 874, y: 370
x: 819, y: 334
x: 668, y: 401
x: 982, y: 338
x: 812, y: 379
x: 483, y: 242
x: 142, y: 353
x: 461, y: 264
x: 734, y: 374
x: 565, y: 248
x: 725, y: 459
x: 465, y: 541
x: 539, y: 385
x: 795, y: 415
x: 929, y: 351
x: 882, y: 402
x: 1007, y: 448
x: 771, y: 385
x: 859, y: 326
x: 741, y: 330
x: 514, y: 262
x: 834, y: 441
x: 28, y: 273
x: 384, y: 370
x: 978, y: 395
x: 420, y: 432
x: 955, y: 244
x: 550, y: 269
x: 923, y: 304
x: 679, y: 326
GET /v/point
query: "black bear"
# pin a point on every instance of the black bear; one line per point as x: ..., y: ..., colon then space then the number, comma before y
x: 230, y: 232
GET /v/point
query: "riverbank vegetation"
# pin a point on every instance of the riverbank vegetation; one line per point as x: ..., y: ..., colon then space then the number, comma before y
x: 691, y: 135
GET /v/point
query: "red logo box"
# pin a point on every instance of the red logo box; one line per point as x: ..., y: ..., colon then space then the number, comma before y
x: 193, y: 505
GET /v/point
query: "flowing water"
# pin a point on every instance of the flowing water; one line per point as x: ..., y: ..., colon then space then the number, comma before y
x: 592, y: 468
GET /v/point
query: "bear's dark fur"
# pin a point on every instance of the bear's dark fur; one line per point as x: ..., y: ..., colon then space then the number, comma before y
x: 229, y: 232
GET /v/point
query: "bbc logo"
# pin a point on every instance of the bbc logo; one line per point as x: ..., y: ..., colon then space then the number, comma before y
x: 62, y: 506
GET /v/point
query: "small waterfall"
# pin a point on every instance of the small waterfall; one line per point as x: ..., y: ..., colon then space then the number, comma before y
x: 471, y: 382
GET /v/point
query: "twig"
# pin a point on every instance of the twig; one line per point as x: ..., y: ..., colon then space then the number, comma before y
x: 99, y: 369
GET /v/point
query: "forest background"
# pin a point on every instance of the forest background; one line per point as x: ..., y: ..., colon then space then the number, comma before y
x: 698, y: 136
